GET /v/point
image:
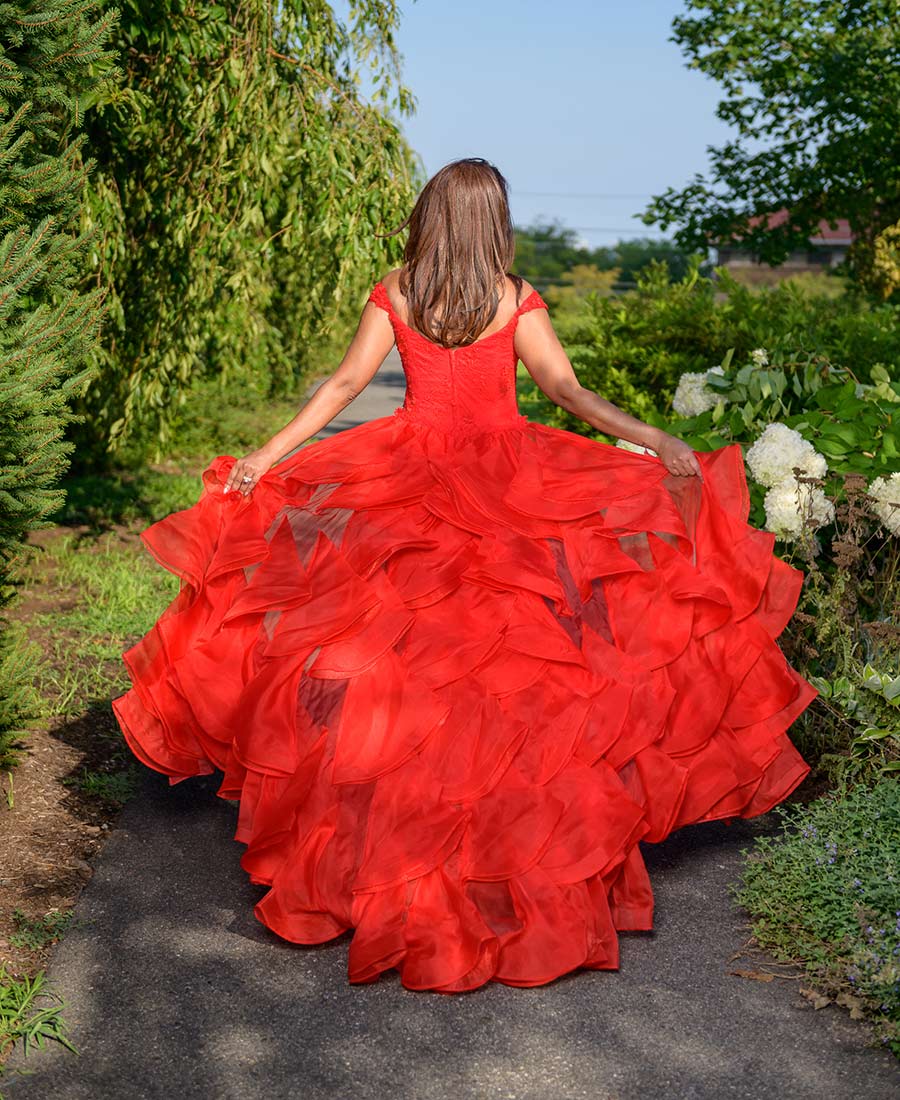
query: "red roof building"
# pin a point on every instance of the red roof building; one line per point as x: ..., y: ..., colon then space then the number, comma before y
x: 823, y: 250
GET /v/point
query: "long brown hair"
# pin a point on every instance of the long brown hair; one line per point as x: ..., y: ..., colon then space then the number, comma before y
x: 461, y: 245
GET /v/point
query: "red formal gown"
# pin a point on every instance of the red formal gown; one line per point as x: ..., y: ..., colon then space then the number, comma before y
x: 455, y: 665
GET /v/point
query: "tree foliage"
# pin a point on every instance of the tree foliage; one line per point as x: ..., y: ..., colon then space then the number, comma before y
x: 242, y: 178
x: 813, y: 90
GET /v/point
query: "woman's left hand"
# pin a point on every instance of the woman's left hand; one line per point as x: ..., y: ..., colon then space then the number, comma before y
x: 678, y: 458
x: 247, y: 471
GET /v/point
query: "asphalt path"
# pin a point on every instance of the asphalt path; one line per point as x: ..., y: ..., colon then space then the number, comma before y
x: 174, y: 989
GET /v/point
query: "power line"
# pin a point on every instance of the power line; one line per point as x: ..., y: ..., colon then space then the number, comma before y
x: 573, y: 195
x: 600, y: 228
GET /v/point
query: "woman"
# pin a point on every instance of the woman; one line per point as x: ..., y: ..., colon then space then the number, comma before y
x: 455, y: 665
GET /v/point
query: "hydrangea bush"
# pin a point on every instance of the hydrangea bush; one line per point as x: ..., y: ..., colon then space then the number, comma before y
x: 692, y: 394
x: 823, y: 469
x: 885, y: 494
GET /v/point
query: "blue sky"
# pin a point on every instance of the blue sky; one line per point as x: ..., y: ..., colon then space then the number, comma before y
x: 570, y: 99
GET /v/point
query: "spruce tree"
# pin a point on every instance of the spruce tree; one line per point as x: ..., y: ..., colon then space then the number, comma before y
x: 53, y: 64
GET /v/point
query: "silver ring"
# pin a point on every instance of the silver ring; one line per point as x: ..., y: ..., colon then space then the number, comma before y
x: 246, y: 479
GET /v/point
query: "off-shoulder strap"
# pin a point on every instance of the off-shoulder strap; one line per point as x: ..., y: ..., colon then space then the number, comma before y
x: 533, y: 301
x: 380, y: 297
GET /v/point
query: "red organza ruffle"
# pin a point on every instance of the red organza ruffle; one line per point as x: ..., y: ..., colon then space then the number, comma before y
x: 454, y: 682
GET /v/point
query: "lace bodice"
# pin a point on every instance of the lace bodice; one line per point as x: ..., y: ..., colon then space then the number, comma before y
x: 459, y: 391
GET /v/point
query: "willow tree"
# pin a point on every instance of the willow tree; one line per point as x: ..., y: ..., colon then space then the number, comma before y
x: 242, y: 179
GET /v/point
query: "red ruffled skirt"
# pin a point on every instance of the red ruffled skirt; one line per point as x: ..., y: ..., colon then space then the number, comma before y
x: 453, y: 683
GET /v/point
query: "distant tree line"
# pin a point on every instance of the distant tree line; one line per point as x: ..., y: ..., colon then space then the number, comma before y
x: 547, y: 253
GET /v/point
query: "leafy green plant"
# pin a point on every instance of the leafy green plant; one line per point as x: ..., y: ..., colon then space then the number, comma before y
x: 846, y: 625
x: 825, y: 894
x: 871, y: 704
x: 855, y: 425
x: 30, y: 1012
x: 36, y: 932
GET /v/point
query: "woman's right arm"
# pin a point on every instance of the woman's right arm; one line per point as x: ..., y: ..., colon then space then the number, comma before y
x: 374, y: 338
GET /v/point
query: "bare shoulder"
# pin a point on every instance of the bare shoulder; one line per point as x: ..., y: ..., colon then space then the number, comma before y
x: 391, y: 284
x: 391, y: 280
x: 526, y: 291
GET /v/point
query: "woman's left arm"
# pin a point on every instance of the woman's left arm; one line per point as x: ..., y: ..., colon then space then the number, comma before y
x: 545, y: 359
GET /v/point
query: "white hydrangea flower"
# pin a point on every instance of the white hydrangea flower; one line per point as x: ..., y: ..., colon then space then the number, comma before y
x: 760, y: 357
x: 790, y: 505
x: 692, y: 395
x: 778, y: 450
x: 885, y: 493
x: 638, y: 448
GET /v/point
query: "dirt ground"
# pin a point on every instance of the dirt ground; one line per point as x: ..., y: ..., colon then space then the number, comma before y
x: 50, y: 830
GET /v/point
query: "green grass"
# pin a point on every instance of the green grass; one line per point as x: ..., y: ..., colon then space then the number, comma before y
x: 138, y: 497
x: 825, y: 894
x: 115, y: 787
x: 230, y: 418
x: 114, y: 592
x: 20, y: 703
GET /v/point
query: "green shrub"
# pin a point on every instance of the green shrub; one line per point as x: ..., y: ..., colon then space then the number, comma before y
x: 855, y: 425
x: 825, y: 894
x: 632, y: 348
x: 845, y: 637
